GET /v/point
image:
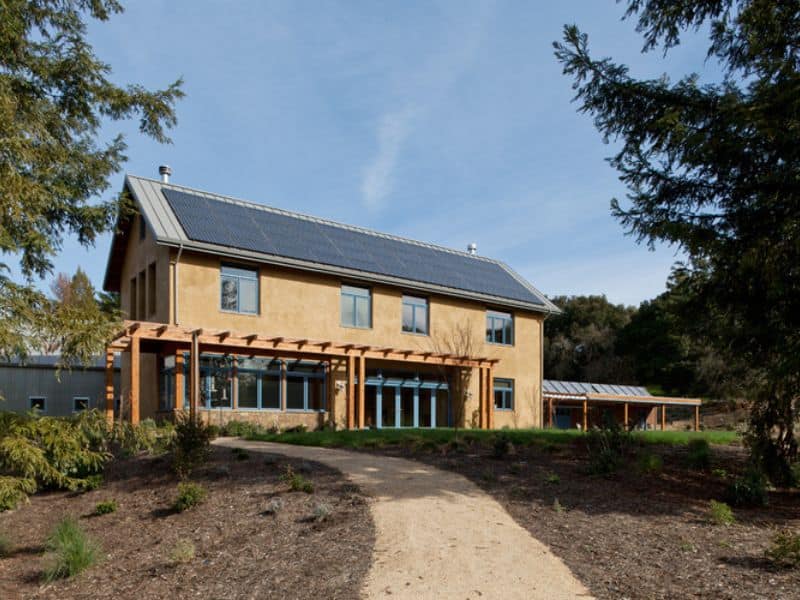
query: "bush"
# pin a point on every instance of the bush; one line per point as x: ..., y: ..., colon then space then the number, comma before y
x: 650, y: 463
x: 607, y: 448
x: 182, y: 552
x: 15, y: 490
x: 296, y: 482
x: 552, y: 479
x: 106, y: 507
x: 92, y: 482
x: 242, y: 429
x: 70, y: 551
x: 147, y: 436
x: 189, y: 495
x: 274, y: 506
x: 191, y: 446
x: 502, y: 445
x: 748, y: 490
x: 720, y: 513
x: 699, y: 455
x: 785, y: 550
x: 322, y: 512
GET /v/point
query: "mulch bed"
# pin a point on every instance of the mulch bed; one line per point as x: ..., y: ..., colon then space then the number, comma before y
x: 635, y: 535
x: 241, y: 551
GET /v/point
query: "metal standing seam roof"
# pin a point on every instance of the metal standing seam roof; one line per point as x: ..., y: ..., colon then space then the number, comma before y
x: 181, y: 216
x: 577, y: 388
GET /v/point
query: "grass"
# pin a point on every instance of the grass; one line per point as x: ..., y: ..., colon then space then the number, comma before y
x: 182, y: 552
x: 70, y: 551
x: 546, y: 438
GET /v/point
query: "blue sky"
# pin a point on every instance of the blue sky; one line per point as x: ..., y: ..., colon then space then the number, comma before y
x: 448, y: 122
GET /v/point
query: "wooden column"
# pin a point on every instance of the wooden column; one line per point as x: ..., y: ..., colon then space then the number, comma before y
x: 179, y: 380
x: 585, y: 415
x: 351, y: 389
x: 235, y: 383
x: 362, y: 386
x: 490, y: 398
x: 625, y: 418
x: 135, y: 380
x: 110, y: 386
x: 663, y: 417
x: 194, y: 376
x: 550, y: 412
x: 481, y: 398
x: 697, y: 418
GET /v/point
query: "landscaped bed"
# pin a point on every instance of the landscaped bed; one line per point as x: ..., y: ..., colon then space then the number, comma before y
x: 250, y: 538
x: 644, y: 531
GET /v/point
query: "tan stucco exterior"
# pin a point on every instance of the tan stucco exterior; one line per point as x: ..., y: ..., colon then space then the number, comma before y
x: 303, y: 304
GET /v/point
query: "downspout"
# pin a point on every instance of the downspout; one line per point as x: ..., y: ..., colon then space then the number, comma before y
x: 175, y: 286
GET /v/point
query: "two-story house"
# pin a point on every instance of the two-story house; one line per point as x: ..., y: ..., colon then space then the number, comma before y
x: 241, y: 311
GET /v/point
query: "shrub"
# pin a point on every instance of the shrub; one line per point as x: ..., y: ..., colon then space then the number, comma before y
x: 699, y: 455
x: 191, y: 446
x: 92, y: 482
x: 14, y: 490
x: 146, y: 437
x: 322, y: 512
x: 502, y: 445
x: 296, y: 482
x: 748, y: 490
x: 70, y: 551
x: 189, y: 495
x: 182, y: 552
x: 105, y: 507
x: 274, y: 506
x: 720, y: 513
x: 721, y: 473
x: 242, y: 429
x: 650, y: 463
x: 607, y: 447
x: 785, y: 550
x: 552, y: 479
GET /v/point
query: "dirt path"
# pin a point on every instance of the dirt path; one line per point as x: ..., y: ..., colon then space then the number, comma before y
x: 438, y: 535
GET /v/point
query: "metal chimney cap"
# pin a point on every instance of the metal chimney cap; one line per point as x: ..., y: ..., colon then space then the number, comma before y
x: 165, y: 171
x: 472, y: 248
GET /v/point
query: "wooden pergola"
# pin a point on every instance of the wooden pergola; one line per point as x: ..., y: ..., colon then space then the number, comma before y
x: 141, y: 336
x: 626, y: 400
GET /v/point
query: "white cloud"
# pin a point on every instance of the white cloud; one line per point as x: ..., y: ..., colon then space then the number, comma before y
x: 393, y: 130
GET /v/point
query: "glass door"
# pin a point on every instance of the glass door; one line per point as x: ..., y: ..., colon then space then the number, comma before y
x: 407, y: 406
x: 426, y: 416
x: 388, y: 412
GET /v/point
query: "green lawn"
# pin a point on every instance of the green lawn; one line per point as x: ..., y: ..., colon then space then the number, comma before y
x: 391, y: 437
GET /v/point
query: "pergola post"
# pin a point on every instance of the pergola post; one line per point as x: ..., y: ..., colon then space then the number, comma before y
x: 482, y: 398
x: 585, y: 414
x: 550, y: 412
x: 351, y: 404
x: 625, y: 418
x: 490, y: 398
x: 362, y: 377
x: 697, y: 417
x: 179, y: 380
x: 110, y: 386
x: 135, y: 379
x: 194, y: 377
x: 663, y: 417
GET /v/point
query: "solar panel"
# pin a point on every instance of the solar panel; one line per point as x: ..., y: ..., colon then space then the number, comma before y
x: 233, y: 225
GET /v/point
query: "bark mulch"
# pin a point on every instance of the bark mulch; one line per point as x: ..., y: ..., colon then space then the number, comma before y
x: 635, y: 535
x: 241, y: 550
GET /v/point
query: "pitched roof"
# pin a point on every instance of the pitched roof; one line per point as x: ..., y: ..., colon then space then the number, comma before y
x: 180, y: 216
x: 580, y: 388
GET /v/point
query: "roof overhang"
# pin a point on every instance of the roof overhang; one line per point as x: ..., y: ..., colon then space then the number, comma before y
x: 622, y: 399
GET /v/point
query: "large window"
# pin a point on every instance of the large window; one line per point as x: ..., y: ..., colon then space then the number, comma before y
x: 151, y: 288
x: 415, y: 315
x: 239, y: 289
x: 305, y: 387
x: 356, y: 307
x: 80, y: 403
x: 216, y: 376
x: 141, y: 309
x: 499, y: 327
x: 504, y: 394
x: 132, y: 300
x: 38, y: 403
x: 259, y: 384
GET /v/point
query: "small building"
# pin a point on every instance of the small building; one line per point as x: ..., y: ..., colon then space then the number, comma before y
x: 581, y: 405
x: 37, y: 383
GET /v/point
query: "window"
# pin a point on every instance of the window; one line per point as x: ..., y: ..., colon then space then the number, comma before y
x: 499, y: 327
x: 415, y: 315
x: 239, y: 289
x: 38, y: 403
x: 142, y: 227
x: 141, y: 309
x: 259, y: 382
x: 80, y: 403
x: 504, y: 394
x: 305, y: 387
x: 132, y: 300
x: 356, y: 307
x: 216, y: 377
x: 151, y: 288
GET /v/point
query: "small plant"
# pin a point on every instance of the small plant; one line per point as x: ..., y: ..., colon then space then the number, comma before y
x: 69, y: 551
x: 182, y: 552
x: 558, y: 507
x: 92, y: 482
x: 748, y: 490
x: 488, y: 476
x: 699, y: 455
x: 721, y: 473
x: 608, y: 447
x: 274, y: 506
x: 5, y: 545
x: 240, y: 454
x: 322, y: 512
x: 720, y: 513
x: 688, y: 547
x: 242, y: 429
x: 552, y: 479
x: 650, y: 463
x: 106, y: 507
x: 189, y: 495
x: 296, y: 482
x: 502, y: 445
x: 785, y: 550
x: 191, y: 446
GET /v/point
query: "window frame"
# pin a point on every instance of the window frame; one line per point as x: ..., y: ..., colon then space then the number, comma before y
x: 306, y: 376
x: 260, y: 373
x: 354, y: 297
x: 506, y: 392
x: 416, y: 303
x: 493, y: 315
x: 85, y: 398
x: 44, y: 403
x: 142, y: 227
x: 256, y: 278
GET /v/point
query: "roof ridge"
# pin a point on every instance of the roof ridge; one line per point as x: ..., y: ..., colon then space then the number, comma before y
x: 320, y: 220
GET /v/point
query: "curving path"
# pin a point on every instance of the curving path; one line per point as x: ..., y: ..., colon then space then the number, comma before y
x: 438, y: 535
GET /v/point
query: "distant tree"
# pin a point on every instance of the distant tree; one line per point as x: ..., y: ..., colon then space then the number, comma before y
x: 714, y: 169
x: 55, y: 95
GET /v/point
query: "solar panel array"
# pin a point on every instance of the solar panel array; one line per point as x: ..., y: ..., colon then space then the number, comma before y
x: 234, y: 225
x: 580, y: 388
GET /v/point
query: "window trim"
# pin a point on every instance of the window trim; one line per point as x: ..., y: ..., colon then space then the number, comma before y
x: 423, y: 303
x: 42, y: 398
x: 500, y: 315
x: 354, y: 297
x: 257, y: 279
x: 506, y: 391
x: 86, y: 398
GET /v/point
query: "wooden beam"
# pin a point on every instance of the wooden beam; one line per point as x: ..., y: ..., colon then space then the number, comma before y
x: 697, y: 418
x: 194, y: 378
x: 663, y: 417
x: 351, y: 389
x: 179, y: 380
x: 585, y: 414
x: 110, y: 386
x: 162, y: 330
x: 362, y: 380
x: 135, y: 380
x: 625, y: 418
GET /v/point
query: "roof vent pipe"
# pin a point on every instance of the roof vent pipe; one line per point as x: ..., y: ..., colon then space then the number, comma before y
x: 165, y: 172
x: 472, y: 248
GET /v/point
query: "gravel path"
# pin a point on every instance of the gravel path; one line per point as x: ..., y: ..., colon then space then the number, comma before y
x: 438, y: 535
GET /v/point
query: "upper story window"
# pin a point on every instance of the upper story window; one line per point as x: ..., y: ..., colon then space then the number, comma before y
x: 504, y: 394
x: 415, y: 315
x: 151, y: 288
x: 356, y: 307
x: 499, y: 327
x: 239, y: 289
x: 142, y: 227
